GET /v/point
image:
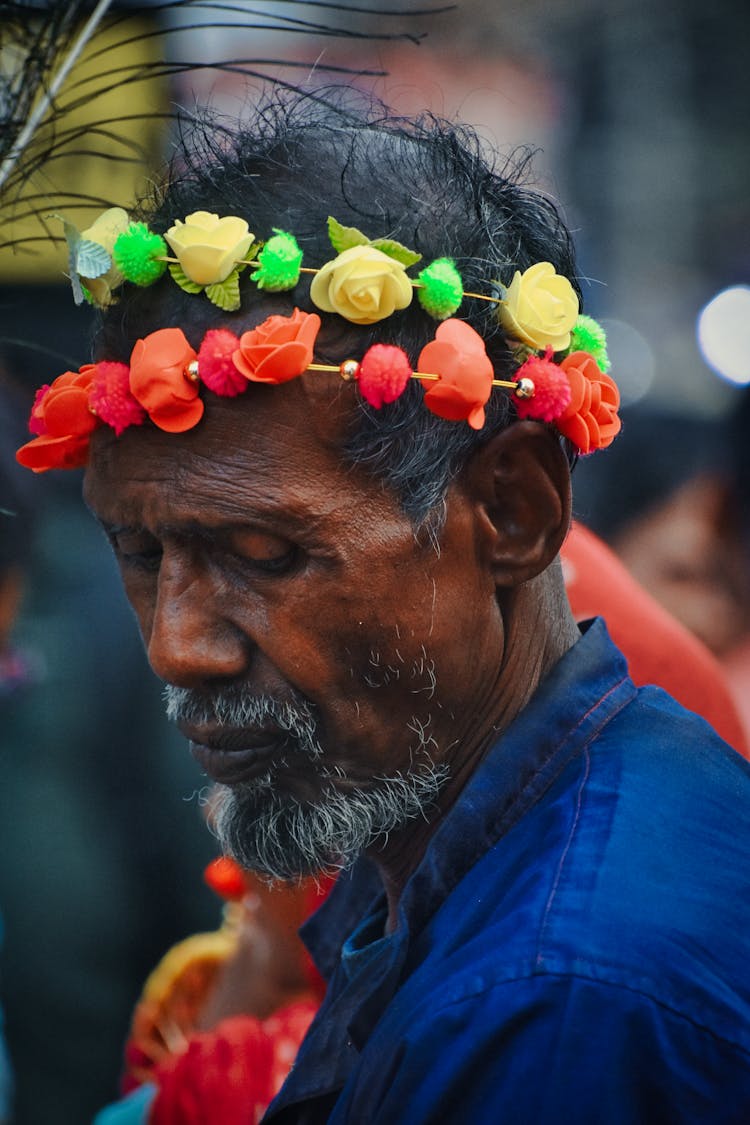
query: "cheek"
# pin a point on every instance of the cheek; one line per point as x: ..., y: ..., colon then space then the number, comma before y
x: 382, y: 648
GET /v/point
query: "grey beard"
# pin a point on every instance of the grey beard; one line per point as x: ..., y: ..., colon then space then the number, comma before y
x: 283, y: 838
x: 274, y: 834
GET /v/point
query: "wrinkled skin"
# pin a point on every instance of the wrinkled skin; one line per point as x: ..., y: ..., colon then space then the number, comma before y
x: 253, y: 555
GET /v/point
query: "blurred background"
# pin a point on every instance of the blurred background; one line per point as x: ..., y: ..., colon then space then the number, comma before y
x: 638, y: 118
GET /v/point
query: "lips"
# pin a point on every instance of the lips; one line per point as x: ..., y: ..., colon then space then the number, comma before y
x: 230, y: 767
x: 233, y: 756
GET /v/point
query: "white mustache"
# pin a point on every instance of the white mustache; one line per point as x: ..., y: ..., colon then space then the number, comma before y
x: 232, y: 708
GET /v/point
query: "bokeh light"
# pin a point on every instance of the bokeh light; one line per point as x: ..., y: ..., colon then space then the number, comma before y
x: 724, y: 334
x: 632, y: 358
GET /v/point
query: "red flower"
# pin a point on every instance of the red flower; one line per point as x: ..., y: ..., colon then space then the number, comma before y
x: 458, y: 356
x: 590, y: 420
x: 111, y: 399
x: 160, y: 381
x: 279, y: 349
x: 227, y: 878
x: 62, y: 420
x: 383, y: 374
x: 216, y: 366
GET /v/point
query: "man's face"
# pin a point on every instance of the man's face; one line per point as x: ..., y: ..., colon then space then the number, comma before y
x: 319, y: 652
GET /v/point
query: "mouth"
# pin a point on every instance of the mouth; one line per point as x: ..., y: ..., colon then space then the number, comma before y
x: 233, y: 756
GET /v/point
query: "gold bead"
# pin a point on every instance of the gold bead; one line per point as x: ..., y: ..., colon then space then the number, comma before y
x: 525, y: 388
x: 349, y: 370
x: 191, y: 371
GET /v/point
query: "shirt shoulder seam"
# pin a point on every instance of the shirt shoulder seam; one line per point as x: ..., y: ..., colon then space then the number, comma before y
x: 600, y: 983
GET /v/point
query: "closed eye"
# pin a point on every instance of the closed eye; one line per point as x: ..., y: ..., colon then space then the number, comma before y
x: 135, y: 547
x: 263, y: 551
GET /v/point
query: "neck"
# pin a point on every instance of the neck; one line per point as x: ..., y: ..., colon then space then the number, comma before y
x: 538, y: 630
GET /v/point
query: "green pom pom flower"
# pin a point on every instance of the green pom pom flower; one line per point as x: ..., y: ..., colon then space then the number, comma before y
x: 442, y: 288
x: 279, y: 263
x: 136, y: 252
x: 588, y: 335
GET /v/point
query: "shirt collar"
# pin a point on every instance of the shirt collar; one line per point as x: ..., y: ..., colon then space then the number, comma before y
x: 581, y: 693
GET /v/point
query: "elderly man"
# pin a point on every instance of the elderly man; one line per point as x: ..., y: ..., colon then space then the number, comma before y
x: 350, y: 587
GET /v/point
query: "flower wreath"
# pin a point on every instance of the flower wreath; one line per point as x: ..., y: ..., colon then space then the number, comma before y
x: 562, y: 375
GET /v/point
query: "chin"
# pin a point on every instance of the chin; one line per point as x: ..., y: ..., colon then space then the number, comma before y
x: 281, y: 837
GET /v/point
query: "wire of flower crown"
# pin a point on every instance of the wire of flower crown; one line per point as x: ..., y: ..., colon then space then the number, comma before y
x: 561, y: 378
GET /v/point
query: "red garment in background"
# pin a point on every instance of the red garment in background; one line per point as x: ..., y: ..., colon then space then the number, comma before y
x: 230, y: 1074
x: 658, y: 648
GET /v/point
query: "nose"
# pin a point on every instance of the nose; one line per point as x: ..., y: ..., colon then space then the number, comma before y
x: 192, y: 639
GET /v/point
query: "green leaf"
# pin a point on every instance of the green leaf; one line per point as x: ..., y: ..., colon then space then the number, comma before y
x: 73, y: 238
x: 343, y: 238
x: 92, y: 260
x: 397, y: 251
x: 226, y: 294
x: 184, y: 282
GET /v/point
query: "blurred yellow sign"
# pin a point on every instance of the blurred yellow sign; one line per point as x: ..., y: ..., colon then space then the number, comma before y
x: 105, y: 137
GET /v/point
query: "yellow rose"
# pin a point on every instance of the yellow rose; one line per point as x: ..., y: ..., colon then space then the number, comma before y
x: 540, y: 308
x: 362, y: 284
x: 207, y: 247
x: 104, y: 231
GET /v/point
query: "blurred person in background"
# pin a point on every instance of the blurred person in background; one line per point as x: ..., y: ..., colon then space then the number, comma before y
x: 681, y: 524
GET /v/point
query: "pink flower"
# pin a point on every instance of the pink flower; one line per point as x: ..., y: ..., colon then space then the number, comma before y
x: 383, y: 374
x: 111, y: 399
x: 216, y: 366
x: 551, y: 389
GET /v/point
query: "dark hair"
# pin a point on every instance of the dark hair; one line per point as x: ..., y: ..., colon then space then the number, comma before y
x: 427, y: 183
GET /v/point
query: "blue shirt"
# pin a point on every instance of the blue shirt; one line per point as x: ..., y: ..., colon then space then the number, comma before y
x: 573, y: 947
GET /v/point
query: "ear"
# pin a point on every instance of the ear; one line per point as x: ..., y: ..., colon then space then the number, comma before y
x: 519, y: 484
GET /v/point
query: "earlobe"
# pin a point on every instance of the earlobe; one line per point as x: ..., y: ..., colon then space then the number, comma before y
x: 519, y: 484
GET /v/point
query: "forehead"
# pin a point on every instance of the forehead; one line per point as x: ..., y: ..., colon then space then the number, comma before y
x: 272, y: 450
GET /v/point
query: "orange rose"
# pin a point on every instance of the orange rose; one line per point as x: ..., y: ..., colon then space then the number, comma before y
x: 279, y: 349
x: 458, y: 356
x: 590, y: 420
x: 62, y: 420
x: 161, y: 383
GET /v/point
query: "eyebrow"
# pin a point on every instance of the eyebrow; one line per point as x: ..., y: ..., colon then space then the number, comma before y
x: 294, y: 524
